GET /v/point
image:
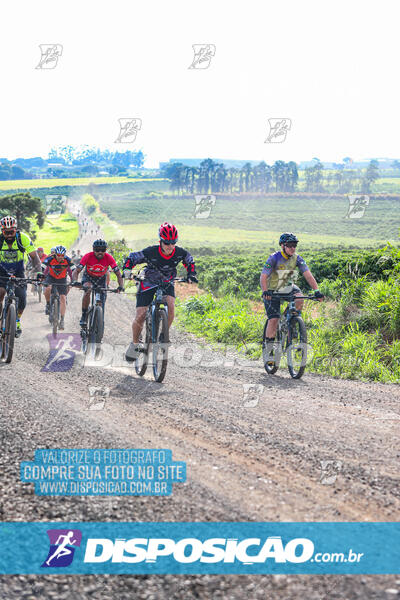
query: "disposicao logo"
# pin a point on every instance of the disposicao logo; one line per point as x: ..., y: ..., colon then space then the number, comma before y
x: 63, y: 543
x: 190, y: 550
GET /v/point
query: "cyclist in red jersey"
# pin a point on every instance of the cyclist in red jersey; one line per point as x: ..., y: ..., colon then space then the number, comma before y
x: 96, y: 265
x: 41, y: 254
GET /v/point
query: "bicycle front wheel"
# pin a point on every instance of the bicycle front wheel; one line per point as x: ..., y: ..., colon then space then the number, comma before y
x: 96, y: 329
x: 55, y: 315
x: 160, y: 347
x: 8, y: 335
x: 297, y: 347
x: 271, y: 352
x: 39, y: 291
x: 143, y: 357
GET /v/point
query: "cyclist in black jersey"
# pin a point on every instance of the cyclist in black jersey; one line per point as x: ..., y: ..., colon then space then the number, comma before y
x: 162, y: 261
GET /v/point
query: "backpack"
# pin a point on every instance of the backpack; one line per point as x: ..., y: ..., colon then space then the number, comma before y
x: 18, y: 240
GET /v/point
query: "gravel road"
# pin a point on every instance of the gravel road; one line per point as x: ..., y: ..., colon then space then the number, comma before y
x: 248, y: 458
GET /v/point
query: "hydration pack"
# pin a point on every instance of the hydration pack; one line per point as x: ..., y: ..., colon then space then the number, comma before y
x: 18, y: 240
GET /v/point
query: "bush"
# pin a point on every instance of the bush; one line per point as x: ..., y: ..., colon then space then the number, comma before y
x: 90, y: 204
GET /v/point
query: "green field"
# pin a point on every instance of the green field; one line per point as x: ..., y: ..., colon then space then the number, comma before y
x: 61, y: 229
x: 256, y: 220
x: 191, y: 237
x: 32, y: 184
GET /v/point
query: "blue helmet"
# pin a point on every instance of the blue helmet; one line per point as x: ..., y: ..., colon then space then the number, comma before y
x: 288, y: 237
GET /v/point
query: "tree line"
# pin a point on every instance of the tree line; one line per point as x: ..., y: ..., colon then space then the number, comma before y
x: 215, y: 177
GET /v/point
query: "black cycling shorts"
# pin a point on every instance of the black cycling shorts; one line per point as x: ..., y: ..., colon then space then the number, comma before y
x: 20, y: 291
x: 273, y: 307
x: 144, y: 298
x: 61, y: 284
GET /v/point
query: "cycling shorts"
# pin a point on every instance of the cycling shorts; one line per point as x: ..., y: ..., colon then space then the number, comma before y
x: 145, y: 298
x: 273, y: 306
x: 61, y: 284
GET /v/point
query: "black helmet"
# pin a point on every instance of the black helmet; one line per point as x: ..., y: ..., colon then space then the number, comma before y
x: 287, y: 237
x: 99, y: 245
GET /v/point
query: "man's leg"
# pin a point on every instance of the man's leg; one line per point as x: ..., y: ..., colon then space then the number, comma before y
x: 137, y: 324
x: 63, y: 304
x: 47, y: 293
x: 299, y: 303
x: 20, y: 292
x: 85, y: 303
x: 171, y: 309
x: 272, y: 327
x: 2, y: 294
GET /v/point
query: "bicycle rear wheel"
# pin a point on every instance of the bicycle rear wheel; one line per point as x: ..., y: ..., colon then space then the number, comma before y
x: 143, y: 357
x: 297, y: 347
x: 8, y: 335
x: 55, y: 314
x: 160, y: 349
x: 271, y: 351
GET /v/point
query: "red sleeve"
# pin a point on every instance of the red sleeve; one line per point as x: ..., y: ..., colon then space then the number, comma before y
x: 111, y: 261
x: 84, y: 259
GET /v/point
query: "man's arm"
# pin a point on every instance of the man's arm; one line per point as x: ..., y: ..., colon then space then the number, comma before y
x: 266, y: 273
x: 134, y: 258
x: 308, y: 276
x: 190, y: 267
x: 264, y: 281
x: 75, y: 274
x: 119, y: 278
x: 37, y: 265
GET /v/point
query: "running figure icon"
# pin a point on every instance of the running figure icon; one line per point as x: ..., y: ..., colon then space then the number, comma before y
x: 62, y: 549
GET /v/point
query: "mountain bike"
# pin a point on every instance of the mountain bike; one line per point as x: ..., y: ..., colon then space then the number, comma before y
x: 8, y: 321
x: 156, y: 332
x: 92, y: 332
x: 290, y: 339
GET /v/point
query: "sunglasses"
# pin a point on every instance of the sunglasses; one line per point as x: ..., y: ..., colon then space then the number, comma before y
x: 291, y: 245
x: 99, y: 251
x: 9, y: 231
x: 168, y: 243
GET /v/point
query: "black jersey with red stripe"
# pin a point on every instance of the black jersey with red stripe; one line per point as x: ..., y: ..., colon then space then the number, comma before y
x: 164, y: 268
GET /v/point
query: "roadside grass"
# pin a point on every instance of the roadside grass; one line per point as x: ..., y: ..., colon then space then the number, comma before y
x: 340, y: 350
x: 61, y: 229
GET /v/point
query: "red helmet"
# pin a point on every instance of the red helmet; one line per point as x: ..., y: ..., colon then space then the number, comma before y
x: 168, y: 233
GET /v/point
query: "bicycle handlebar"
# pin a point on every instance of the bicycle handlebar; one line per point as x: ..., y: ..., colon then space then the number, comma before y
x: 179, y: 279
x: 19, y: 280
x: 95, y: 288
x: 291, y: 296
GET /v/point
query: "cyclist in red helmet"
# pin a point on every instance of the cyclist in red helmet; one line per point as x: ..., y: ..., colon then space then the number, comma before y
x: 162, y: 260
